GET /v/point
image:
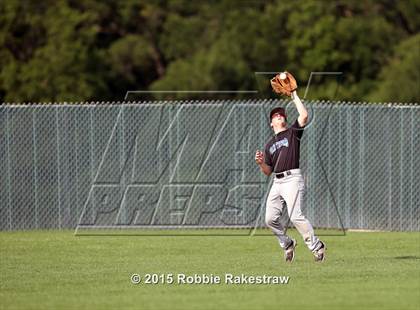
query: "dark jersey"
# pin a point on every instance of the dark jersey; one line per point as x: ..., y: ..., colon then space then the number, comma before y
x: 283, y: 150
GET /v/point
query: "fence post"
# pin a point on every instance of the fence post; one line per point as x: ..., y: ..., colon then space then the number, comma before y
x: 35, y: 163
x: 361, y: 164
x: 9, y: 188
x: 58, y: 166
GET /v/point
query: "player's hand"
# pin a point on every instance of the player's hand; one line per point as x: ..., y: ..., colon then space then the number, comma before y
x: 259, y: 157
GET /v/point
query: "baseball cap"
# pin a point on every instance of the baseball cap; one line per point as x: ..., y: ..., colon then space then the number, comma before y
x: 278, y: 110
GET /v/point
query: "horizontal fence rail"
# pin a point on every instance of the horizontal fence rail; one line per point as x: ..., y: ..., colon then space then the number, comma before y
x: 191, y: 165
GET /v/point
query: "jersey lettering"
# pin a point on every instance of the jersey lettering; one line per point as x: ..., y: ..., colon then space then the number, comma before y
x: 276, y: 146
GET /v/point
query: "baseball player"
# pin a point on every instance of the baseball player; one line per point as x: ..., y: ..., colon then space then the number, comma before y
x: 281, y: 157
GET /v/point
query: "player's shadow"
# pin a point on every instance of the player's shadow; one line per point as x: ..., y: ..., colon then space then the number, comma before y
x: 407, y: 257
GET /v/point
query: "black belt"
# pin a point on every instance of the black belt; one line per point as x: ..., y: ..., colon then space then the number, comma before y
x: 283, y: 174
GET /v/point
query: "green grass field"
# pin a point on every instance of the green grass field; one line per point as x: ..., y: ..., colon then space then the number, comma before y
x: 57, y: 270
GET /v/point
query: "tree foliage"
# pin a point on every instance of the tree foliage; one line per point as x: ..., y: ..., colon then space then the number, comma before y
x: 74, y: 50
x: 399, y: 80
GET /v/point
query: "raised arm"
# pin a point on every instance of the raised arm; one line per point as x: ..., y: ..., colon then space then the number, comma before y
x: 303, y: 113
x: 285, y: 84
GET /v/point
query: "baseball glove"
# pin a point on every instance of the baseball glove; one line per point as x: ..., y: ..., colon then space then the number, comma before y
x: 284, y: 84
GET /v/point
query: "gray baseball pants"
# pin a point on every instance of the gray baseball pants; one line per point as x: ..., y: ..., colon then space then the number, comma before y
x: 289, y: 191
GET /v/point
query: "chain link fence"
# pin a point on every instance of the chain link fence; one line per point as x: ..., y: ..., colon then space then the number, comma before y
x: 191, y: 164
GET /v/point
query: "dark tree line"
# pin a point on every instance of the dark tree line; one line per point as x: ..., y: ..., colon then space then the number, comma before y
x: 82, y: 50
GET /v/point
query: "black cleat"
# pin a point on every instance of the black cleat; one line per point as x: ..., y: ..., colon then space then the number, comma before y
x: 289, y: 252
x: 319, y: 254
